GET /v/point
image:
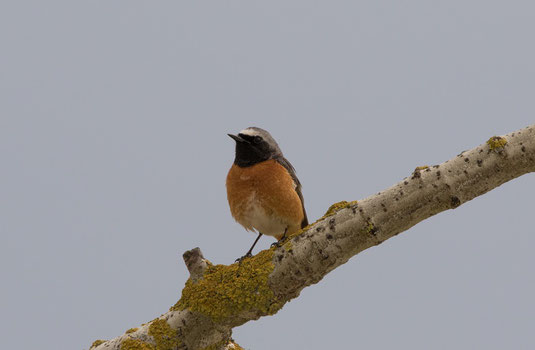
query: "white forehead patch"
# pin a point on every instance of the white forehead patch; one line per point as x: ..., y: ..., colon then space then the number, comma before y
x: 250, y: 132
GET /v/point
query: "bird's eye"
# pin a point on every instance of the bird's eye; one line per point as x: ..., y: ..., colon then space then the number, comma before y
x: 257, y: 139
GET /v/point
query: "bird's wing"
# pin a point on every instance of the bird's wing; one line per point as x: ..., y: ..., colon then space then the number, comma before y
x: 286, y: 164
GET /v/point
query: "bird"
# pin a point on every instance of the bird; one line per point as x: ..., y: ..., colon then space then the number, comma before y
x: 263, y: 191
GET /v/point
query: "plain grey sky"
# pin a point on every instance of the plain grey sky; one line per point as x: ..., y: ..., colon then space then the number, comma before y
x: 113, y: 149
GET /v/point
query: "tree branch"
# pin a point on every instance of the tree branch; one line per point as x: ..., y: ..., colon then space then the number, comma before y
x: 218, y: 298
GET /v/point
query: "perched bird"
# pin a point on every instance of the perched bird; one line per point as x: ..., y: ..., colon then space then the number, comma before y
x: 263, y: 191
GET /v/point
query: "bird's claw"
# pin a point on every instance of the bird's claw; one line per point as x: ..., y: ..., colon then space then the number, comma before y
x: 248, y: 255
x: 279, y: 243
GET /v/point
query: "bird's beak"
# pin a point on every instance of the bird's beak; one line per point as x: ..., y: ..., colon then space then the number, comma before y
x: 236, y: 138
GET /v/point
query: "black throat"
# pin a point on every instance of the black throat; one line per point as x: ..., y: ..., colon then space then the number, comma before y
x: 248, y: 155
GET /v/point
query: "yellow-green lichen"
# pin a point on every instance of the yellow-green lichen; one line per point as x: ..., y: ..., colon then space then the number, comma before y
x: 422, y: 167
x: 136, y: 344
x: 164, y: 336
x: 226, y: 290
x: 496, y: 142
x: 298, y: 232
x: 333, y: 209
x: 131, y: 330
x: 97, y: 343
x: 370, y: 227
x: 287, y: 246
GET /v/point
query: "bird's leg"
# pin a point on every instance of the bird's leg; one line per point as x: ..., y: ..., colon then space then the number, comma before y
x: 249, y: 253
x: 280, y: 241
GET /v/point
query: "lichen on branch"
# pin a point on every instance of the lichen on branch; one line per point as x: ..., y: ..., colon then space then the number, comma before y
x: 224, y: 291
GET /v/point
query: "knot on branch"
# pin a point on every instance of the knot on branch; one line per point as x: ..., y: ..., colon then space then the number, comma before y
x: 195, y: 263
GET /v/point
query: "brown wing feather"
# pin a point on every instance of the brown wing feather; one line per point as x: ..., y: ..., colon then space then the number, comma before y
x: 286, y: 164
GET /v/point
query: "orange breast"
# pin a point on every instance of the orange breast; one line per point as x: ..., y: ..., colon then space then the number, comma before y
x: 263, y: 197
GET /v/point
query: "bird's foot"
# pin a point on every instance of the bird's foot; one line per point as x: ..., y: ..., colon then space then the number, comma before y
x: 279, y: 243
x: 248, y: 255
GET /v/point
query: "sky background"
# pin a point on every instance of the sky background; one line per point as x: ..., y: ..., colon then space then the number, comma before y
x: 114, y: 153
